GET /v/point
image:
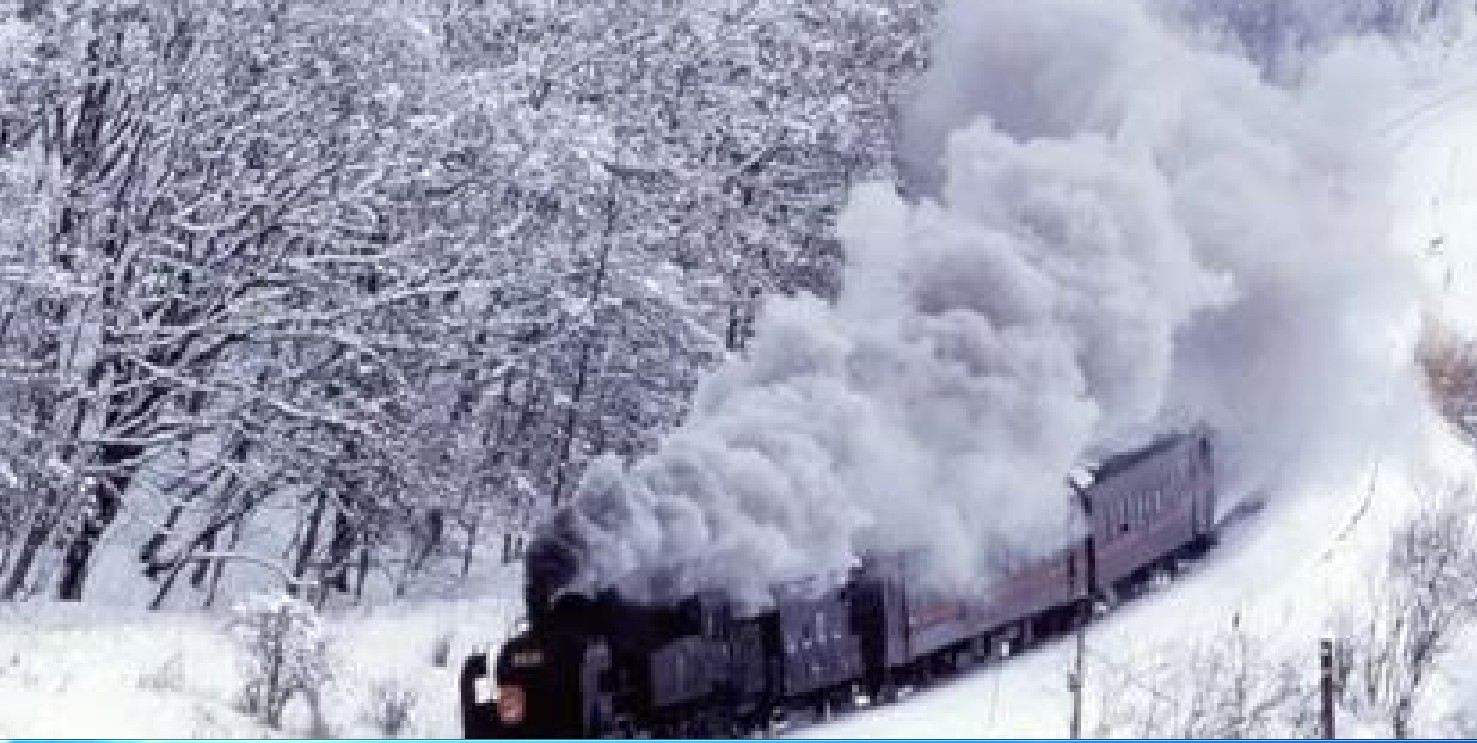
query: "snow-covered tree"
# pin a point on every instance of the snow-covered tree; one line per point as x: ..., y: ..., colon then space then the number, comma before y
x: 1419, y: 603
x: 386, y: 275
x: 284, y: 652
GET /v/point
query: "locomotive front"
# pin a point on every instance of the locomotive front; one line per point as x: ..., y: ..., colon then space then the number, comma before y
x: 546, y: 687
x: 548, y: 676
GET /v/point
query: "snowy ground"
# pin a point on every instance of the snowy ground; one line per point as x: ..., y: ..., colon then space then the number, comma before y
x: 86, y: 671
x: 1437, y: 188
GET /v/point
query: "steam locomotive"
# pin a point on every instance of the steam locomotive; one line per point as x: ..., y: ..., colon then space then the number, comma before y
x: 606, y: 667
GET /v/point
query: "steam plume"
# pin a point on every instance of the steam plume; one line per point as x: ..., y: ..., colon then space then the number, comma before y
x: 1122, y: 233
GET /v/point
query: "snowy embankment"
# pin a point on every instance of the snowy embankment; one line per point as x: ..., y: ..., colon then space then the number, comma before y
x: 91, y: 671
x: 1284, y: 575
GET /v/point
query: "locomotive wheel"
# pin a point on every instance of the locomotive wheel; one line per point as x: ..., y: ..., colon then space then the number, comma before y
x: 884, y: 691
x: 923, y: 672
x: 980, y: 647
x: 777, y: 722
x: 1028, y: 633
x: 1163, y: 576
x: 964, y: 658
x: 823, y: 708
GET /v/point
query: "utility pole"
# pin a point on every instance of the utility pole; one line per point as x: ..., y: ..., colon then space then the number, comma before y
x: 1074, y: 682
x: 1325, y: 682
x: 1087, y: 573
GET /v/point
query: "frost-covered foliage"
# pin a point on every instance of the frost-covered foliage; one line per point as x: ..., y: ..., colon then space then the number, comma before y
x: 285, y: 655
x: 342, y: 295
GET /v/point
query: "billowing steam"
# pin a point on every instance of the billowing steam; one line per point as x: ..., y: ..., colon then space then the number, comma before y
x: 1123, y: 234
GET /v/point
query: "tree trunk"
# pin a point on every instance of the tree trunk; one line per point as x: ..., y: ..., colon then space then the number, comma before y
x: 35, y: 538
x: 582, y: 374
x: 308, y: 545
x: 167, y: 584
x: 363, y: 574
x: 472, y: 530
x: 77, y: 563
x: 220, y: 566
x: 202, y: 570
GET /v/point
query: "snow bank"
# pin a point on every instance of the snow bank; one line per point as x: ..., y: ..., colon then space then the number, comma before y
x: 91, y: 671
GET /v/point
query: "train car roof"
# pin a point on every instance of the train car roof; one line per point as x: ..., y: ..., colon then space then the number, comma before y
x: 1119, y: 463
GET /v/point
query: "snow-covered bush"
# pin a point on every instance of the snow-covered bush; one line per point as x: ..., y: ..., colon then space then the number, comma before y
x: 286, y: 655
x: 1233, y: 685
x: 391, y: 706
x: 1393, y: 641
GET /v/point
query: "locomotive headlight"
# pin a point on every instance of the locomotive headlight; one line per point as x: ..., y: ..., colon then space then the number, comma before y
x: 511, y: 704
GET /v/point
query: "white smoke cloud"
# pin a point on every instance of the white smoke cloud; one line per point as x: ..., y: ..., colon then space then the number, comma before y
x: 1124, y: 233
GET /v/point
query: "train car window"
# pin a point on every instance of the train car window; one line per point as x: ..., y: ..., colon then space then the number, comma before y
x: 820, y: 625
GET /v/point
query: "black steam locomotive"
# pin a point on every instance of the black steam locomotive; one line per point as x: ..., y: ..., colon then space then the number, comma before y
x: 605, y: 667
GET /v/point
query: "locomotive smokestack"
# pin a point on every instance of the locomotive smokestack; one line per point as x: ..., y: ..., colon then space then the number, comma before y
x: 550, y: 565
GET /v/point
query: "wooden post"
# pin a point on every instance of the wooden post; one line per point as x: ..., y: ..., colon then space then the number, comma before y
x: 1325, y: 682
